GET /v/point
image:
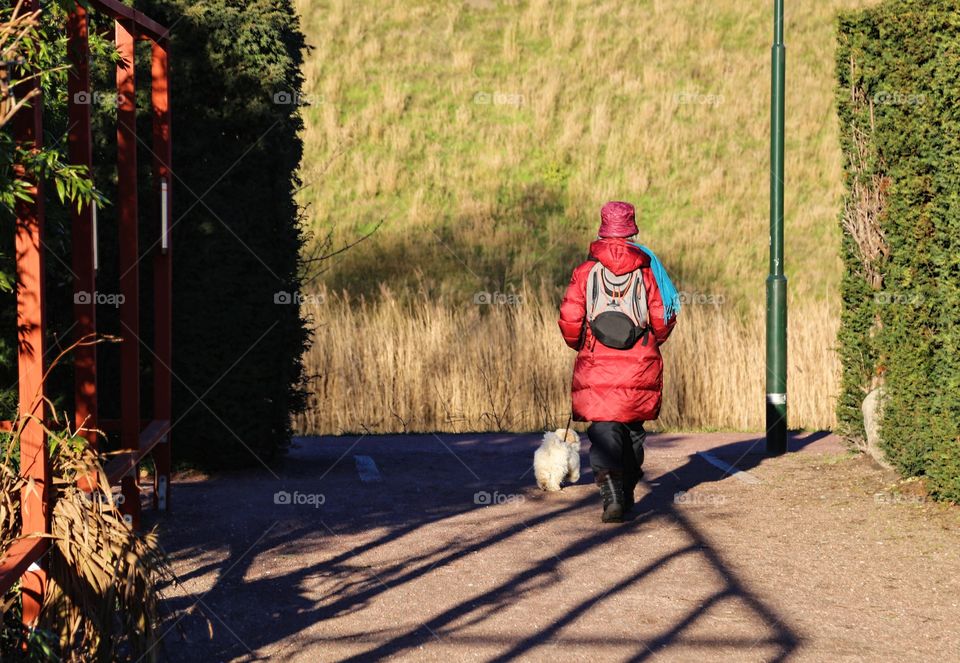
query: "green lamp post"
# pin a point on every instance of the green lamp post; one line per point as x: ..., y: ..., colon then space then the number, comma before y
x: 776, y: 281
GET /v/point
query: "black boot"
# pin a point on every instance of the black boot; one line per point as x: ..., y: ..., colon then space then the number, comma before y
x: 632, y: 462
x: 611, y: 487
x: 629, y: 485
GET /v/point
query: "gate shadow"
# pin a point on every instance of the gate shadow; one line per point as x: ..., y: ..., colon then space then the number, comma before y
x: 244, y: 624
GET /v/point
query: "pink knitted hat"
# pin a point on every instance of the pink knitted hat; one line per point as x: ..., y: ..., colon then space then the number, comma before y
x: 618, y: 219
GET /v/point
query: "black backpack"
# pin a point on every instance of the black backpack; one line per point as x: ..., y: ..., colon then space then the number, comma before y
x: 617, y: 307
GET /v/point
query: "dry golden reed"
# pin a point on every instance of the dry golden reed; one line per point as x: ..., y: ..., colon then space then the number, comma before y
x: 421, y: 363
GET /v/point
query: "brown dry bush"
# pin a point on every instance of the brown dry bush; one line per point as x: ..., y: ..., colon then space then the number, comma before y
x: 102, y: 596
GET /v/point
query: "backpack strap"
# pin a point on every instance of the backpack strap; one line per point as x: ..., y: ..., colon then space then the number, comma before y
x: 586, y: 312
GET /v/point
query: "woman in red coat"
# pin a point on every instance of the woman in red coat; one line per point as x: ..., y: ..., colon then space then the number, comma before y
x: 615, y: 389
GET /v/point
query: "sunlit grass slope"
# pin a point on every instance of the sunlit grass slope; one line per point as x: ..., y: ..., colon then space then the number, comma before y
x: 486, y: 135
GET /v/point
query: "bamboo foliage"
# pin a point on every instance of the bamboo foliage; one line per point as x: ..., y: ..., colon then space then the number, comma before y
x: 18, y: 28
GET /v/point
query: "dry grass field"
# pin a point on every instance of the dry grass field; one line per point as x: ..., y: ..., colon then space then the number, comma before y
x: 486, y: 135
x: 419, y: 363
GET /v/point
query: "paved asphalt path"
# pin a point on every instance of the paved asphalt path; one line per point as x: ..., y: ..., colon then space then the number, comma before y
x: 440, y: 548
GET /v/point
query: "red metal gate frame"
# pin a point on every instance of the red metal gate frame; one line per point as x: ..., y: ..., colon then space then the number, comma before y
x: 25, y: 558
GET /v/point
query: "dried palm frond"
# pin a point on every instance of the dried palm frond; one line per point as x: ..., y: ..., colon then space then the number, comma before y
x: 102, y: 597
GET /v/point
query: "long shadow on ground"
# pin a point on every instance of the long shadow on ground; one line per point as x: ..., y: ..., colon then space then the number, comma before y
x: 262, y: 554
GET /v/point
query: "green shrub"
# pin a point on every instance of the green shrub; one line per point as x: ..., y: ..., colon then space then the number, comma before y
x: 237, y: 239
x: 899, y: 107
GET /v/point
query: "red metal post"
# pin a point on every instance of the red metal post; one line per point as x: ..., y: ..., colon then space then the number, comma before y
x: 24, y: 558
x: 129, y: 260
x: 79, y: 101
x: 27, y: 128
x: 162, y: 264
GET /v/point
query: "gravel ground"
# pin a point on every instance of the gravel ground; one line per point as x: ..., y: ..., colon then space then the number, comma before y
x: 454, y: 555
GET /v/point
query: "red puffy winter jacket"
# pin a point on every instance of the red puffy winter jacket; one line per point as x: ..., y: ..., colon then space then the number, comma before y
x: 608, y: 384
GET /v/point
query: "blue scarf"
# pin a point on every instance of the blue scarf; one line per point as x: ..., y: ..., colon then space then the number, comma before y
x: 668, y: 293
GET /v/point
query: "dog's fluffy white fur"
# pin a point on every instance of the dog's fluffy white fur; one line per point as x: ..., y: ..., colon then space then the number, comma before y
x: 558, y: 459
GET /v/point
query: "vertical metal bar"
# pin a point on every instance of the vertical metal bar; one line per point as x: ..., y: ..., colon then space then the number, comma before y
x: 162, y: 269
x: 82, y: 225
x: 776, y: 281
x: 164, y: 215
x: 27, y: 127
x: 129, y: 260
x: 93, y: 232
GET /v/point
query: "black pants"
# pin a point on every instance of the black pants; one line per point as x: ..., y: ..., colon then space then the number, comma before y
x: 618, y: 448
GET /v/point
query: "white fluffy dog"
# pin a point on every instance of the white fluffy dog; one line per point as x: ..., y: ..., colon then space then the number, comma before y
x: 557, y: 459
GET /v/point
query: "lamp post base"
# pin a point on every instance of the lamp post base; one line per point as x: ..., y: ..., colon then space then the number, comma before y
x: 776, y: 424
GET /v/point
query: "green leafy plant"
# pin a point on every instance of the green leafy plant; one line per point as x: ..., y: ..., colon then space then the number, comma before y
x: 32, y: 47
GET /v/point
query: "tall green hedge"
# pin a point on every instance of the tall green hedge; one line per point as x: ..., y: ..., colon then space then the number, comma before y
x: 899, y: 108
x: 238, y: 333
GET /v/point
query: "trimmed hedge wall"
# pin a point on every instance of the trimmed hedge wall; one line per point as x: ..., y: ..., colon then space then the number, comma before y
x: 238, y: 333
x: 899, y: 108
